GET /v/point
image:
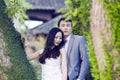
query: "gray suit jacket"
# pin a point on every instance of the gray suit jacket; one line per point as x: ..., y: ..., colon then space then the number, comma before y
x: 77, y: 58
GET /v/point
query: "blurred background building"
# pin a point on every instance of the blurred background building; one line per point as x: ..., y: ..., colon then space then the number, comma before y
x: 46, y: 11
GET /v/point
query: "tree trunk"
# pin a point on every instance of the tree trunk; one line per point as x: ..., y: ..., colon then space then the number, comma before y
x: 13, y: 62
x: 98, y: 26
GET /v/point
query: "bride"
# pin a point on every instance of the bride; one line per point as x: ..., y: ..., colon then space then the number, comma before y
x: 53, y: 57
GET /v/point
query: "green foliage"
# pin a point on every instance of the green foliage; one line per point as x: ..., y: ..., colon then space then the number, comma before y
x: 78, y: 11
x: 113, y: 49
x: 92, y: 57
x: 107, y: 73
x: 17, y: 7
x: 20, y: 67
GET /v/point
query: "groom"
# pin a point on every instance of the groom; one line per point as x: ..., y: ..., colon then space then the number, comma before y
x: 77, y: 57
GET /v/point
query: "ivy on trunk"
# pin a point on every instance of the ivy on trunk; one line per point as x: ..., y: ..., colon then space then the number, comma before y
x: 13, y: 62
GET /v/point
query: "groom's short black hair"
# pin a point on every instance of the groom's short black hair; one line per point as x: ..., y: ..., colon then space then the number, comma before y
x: 63, y: 19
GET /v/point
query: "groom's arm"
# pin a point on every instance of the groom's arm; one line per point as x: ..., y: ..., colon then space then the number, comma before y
x: 84, y: 58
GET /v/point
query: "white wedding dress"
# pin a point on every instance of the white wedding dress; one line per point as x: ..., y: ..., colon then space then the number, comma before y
x: 51, y: 70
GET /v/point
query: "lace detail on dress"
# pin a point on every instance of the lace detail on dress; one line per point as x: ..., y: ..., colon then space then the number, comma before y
x: 51, y: 70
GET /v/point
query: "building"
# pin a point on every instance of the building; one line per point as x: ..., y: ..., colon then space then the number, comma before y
x: 46, y: 11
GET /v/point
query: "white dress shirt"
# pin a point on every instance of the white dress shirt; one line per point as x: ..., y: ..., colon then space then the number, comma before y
x: 67, y: 43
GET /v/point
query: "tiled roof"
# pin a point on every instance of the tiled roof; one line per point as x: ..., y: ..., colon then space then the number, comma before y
x: 47, y: 4
x: 45, y: 28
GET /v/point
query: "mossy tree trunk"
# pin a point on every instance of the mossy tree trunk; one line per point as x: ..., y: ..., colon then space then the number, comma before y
x: 13, y: 62
x: 100, y: 33
x: 96, y: 24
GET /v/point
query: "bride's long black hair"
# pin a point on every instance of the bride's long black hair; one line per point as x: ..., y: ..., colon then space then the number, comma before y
x: 50, y: 52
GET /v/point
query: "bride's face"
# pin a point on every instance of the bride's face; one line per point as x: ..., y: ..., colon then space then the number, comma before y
x: 58, y: 38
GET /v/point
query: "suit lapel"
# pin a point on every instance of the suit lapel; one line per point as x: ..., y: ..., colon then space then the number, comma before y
x: 70, y: 45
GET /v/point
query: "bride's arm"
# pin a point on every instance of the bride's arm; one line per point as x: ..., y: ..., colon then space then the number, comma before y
x: 63, y: 64
x: 34, y: 55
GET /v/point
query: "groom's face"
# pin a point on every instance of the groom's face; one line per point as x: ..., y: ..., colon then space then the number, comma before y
x: 66, y: 27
